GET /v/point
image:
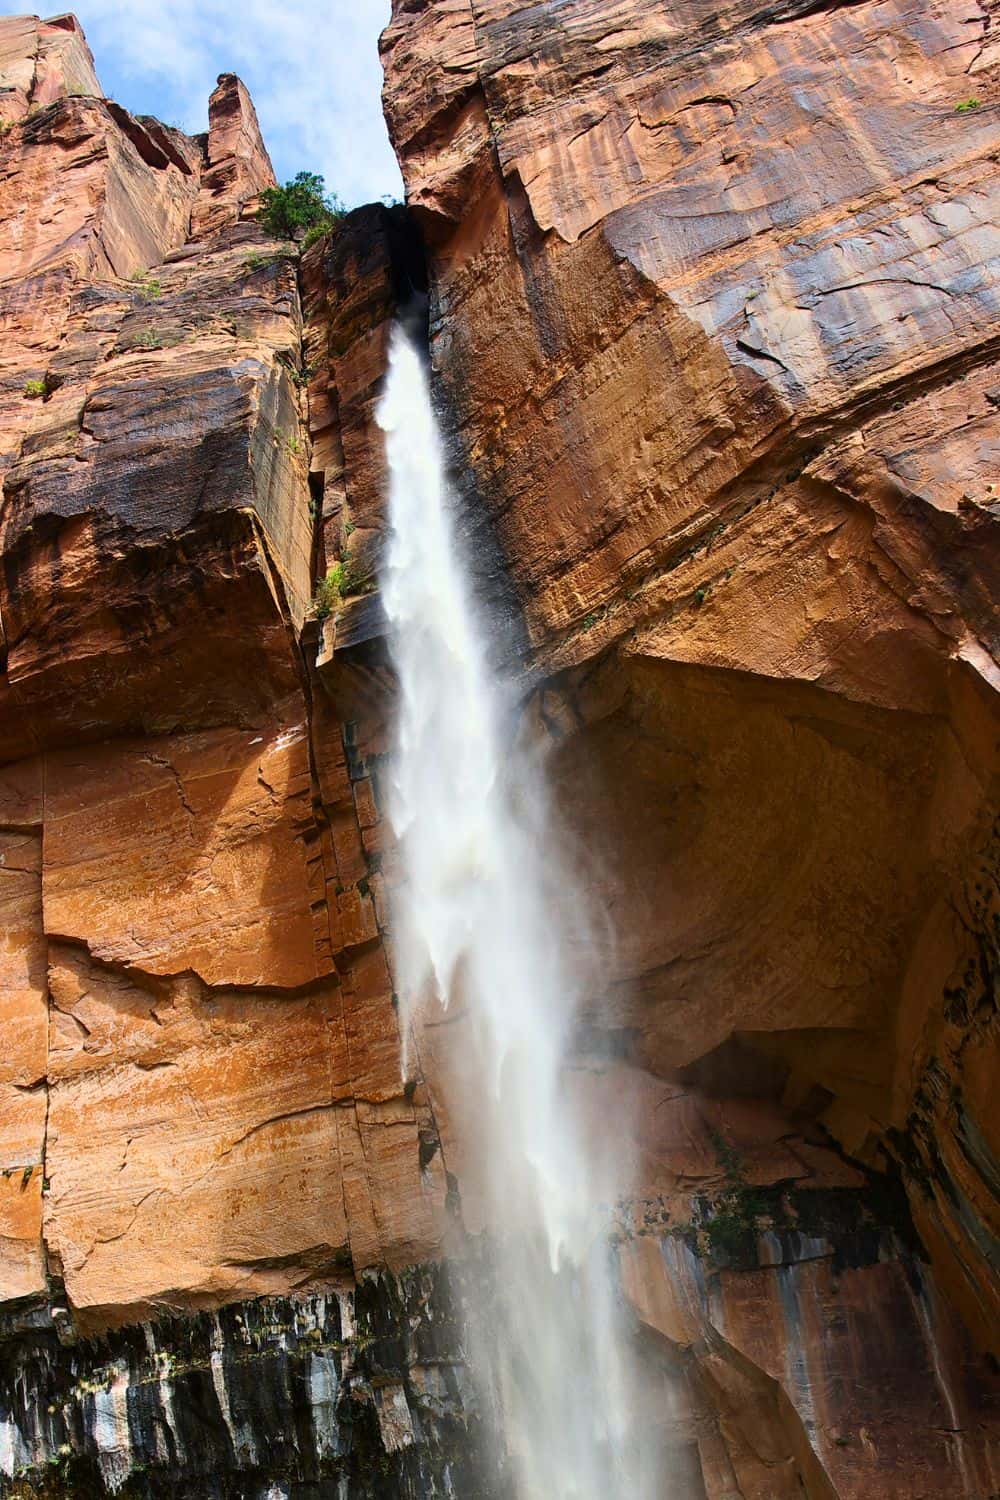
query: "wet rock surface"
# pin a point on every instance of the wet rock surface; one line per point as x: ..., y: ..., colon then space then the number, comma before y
x: 763, y: 1374
x: 362, y: 1394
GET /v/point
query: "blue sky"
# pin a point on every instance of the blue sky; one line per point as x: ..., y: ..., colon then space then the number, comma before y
x: 312, y: 67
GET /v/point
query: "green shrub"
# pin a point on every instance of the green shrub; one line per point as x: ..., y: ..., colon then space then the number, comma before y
x: 301, y: 206
x: 147, y: 286
x: 298, y: 375
x: 966, y: 105
x: 731, y: 1228
x: 316, y: 232
x: 35, y: 388
x: 329, y: 592
x: 337, y: 585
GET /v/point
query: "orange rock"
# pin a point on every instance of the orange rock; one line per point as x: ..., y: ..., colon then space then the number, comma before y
x: 748, y: 503
x: 185, y: 855
x: 41, y: 61
x: 23, y: 1059
x: 215, y: 1111
x: 710, y: 302
x: 238, y: 167
x: 211, y: 1159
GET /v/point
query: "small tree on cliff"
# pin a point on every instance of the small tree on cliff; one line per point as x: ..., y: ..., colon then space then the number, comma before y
x: 302, y: 209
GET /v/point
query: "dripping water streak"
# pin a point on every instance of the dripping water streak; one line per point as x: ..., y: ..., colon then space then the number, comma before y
x: 487, y: 926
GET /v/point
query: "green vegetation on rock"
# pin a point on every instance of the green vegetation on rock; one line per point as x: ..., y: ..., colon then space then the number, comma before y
x: 331, y: 589
x: 148, y: 286
x: 301, y: 209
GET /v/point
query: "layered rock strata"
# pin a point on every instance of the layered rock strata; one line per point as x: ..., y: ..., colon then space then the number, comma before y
x: 201, y: 1088
x: 734, y: 272
x: 712, y: 318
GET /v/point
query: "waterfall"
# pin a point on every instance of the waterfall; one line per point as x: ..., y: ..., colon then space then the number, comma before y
x: 489, y: 936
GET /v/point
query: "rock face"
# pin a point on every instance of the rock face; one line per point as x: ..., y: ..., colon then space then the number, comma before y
x: 201, y: 1090
x: 711, y: 310
x: 734, y: 271
x: 360, y: 1393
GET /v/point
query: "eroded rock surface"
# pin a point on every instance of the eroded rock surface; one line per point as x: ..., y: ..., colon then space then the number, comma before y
x: 734, y: 270
x: 712, y: 309
x: 201, y: 1088
x: 360, y: 1393
x: 714, y: 299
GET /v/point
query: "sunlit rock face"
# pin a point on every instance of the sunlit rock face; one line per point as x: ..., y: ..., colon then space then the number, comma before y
x: 714, y: 331
x: 201, y: 1094
x: 714, y: 301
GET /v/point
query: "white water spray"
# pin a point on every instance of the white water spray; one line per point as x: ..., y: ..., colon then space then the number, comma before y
x: 488, y: 928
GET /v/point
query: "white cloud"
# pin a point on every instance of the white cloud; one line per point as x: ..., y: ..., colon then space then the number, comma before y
x: 312, y: 67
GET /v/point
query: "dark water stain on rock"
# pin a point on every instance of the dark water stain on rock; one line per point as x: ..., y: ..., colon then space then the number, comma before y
x: 361, y: 1393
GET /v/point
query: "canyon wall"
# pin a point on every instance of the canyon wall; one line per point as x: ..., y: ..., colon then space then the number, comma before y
x: 715, y: 307
x: 713, y: 320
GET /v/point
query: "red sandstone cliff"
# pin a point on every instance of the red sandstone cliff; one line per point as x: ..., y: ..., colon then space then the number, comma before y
x: 711, y: 303
x: 715, y: 302
x: 196, y: 1063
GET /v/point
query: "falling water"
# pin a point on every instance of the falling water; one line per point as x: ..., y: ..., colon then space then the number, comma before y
x: 489, y: 940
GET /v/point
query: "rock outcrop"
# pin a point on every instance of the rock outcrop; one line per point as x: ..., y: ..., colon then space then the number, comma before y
x: 713, y: 317
x: 201, y: 1090
x: 714, y: 302
x: 361, y: 1392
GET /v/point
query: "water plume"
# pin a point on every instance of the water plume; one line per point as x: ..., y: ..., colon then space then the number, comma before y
x: 490, y: 946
